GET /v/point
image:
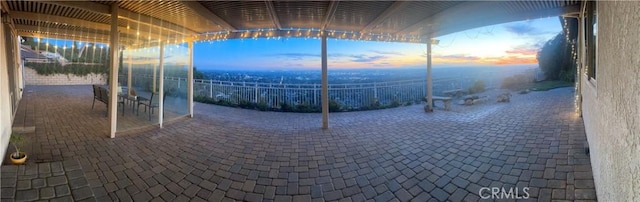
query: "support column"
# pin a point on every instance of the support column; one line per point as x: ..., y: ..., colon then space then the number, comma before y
x: 429, y: 107
x: 190, y: 79
x: 581, y: 60
x: 113, y: 73
x: 129, y: 73
x: 325, y: 84
x: 155, y: 72
x: 161, y: 89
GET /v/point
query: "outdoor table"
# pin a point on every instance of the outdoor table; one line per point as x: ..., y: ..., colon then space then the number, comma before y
x: 132, y: 100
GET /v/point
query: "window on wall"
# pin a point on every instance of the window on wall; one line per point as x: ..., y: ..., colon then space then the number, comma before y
x: 591, y: 22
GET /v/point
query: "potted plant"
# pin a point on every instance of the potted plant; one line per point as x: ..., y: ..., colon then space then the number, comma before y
x: 18, y: 157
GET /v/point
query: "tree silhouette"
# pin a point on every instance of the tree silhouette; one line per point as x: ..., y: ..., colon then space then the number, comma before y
x: 555, y: 59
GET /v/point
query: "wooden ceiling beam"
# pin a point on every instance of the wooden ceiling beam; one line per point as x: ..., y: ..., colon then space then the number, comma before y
x: 29, y: 33
x: 63, y: 37
x: 456, y: 18
x: 274, y: 15
x: 59, y: 19
x: 4, y: 6
x: 75, y: 35
x: 459, y: 9
x: 395, y: 7
x: 440, y: 30
x: 82, y: 23
x: 125, y: 15
x: 328, y: 17
x: 207, y: 14
x: 50, y: 31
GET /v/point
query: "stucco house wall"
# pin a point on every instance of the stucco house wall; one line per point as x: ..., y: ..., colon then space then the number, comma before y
x: 611, y: 103
x: 5, y: 103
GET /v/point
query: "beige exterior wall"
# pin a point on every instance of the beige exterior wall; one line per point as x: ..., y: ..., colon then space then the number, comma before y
x: 5, y: 103
x: 611, y: 104
x: 33, y: 78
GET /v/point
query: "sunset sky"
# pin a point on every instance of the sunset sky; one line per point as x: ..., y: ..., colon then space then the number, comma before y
x: 507, y: 44
x: 504, y: 44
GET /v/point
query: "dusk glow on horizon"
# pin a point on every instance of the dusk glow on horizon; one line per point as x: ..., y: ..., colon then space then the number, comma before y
x: 509, y: 44
x: 515, y: 43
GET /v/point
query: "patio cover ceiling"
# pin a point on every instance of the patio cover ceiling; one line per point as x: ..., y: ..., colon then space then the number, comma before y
x: 147, y: 22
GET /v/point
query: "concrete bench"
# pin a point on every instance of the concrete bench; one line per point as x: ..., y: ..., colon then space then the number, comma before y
x: 446, y: 100
x: 454, y: 92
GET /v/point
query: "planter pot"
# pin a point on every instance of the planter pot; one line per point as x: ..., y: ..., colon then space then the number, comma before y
x: 19, y: 161
x: 427, y: 109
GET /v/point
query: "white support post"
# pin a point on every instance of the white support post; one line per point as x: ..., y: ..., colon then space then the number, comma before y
x: 429, y: 79
x: 154, y: 78
x: 190, y: 80
x: 581, y: 60
x: 113, y: 73
x: 325, y: 84
x: 161, y: 89
x: 129, y: 73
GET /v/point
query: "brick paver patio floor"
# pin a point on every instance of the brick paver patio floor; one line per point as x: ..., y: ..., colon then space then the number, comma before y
x: 226, y: 154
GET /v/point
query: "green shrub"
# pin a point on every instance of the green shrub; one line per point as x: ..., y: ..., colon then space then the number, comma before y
x: 285, y: 107
x: 18, y: 141
x: 477, y: 87
x: 375, y: 105
x: 334, y: 106
x: 262, y: 106
x: 203, y: 99
x: 306, y: 108
x: 73, y: 69
x: 394, y: 103
x: 516, y: 82
x: 246, y: 104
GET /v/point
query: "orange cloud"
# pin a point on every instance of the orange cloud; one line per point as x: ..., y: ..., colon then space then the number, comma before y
x: 515, y: 56
x: 455, y: 59
x: 518, y: 55
x: 525, y: 51
x: 513, y: 60
x: 509, y: 59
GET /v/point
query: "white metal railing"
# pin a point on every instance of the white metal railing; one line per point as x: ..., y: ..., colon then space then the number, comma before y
x: 349, y: 96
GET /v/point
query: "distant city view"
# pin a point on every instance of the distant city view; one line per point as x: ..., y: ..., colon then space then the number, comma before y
x: 349, y: 89
x: 444, y: 77
x: 284, y: 75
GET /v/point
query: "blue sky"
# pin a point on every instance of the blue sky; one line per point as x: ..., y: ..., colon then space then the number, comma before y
x: 513, y: 43
x: 506, y: 44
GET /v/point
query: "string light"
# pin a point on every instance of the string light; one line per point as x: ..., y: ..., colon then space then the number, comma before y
x: 574, y: 56
x: 306, y: 33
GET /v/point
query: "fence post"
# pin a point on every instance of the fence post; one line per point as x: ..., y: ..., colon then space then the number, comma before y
x: 178, y: 83
x: 375, y: 91
x: 256, y: 93
x: 315, y: 94
x: 211, y: 88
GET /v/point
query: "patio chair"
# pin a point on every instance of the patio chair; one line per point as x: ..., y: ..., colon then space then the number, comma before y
x: 96, y: 95
x: 104, y: 94
x: 150, y: 105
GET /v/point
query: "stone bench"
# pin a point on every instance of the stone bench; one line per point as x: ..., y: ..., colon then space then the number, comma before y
x: 446, y: 100
x: 454, y: 92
